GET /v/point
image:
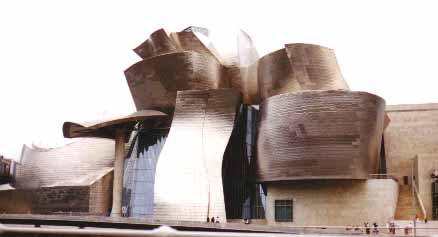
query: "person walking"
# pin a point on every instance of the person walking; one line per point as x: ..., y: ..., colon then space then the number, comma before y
x: 375, y: 231
x: 212, y: 220
x: 217, y: 219
x: 392, y: 227
x: 367, y: 228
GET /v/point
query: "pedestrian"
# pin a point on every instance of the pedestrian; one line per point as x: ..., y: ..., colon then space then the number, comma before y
x: 375, y: 231
x: 217, y: 219
x: 425, y: 220
x: 367, y: 228
x: 392, y: 227
x: 212, y: 219
x: 208, y: 219
x: 408, y: 228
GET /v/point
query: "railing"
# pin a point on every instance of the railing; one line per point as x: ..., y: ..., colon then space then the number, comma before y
x: 420, y: 201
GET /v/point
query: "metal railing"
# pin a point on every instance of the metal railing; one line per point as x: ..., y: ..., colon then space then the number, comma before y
x: 170, y: 232
x: 419, y: 200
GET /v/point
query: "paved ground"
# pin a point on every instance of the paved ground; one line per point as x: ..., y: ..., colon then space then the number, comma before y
x: 93, y: 222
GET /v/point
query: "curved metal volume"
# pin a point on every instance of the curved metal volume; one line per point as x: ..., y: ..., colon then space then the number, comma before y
x: 70, y: 165
x: 319, y: 135
x: 157, y: 44
x: 299, y: 67
x: 188, y: 183
x: 160, y: 43
x: 106, y: 128
x: 155, y: 81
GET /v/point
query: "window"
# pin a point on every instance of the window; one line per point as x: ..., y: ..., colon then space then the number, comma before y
x: 284, y: 210
x: 405, y: 180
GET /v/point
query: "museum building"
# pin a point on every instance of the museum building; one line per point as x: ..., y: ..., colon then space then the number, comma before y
x: 278, y: 140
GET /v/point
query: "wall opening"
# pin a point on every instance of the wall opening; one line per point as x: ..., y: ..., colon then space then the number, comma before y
x: 244, y: 199
x: 284, y: 210
x: 435, y: 200
x: 405, y: 180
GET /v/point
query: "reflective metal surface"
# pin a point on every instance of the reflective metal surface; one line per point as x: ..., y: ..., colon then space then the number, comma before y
x: 154, y: 82
x: 319, y: 135
x: 157, y: 44
x: 73, y: 164
x: 188, y: 182
x: 299, y: 67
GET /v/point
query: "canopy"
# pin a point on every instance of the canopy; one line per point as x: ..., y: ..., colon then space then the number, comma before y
x: 106, y: 128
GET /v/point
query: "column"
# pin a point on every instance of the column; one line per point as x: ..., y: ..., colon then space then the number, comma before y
x: 118, y: 173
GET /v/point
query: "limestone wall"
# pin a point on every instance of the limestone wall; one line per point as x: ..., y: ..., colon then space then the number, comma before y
x: 15, y: 201
x: 335, y: 202
x: 91, y: 199
x: 101, y: 196
x: 413, y: 130
x: 425, y: 164
x: 61, y: 200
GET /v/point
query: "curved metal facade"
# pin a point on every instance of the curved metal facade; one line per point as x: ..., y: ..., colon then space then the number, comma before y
x: 311, y: 127
x: 299, y: 67
x: 244, y: 80
x: 319, y: 135
x: 157, y: 44
x: 154, y: 82
x: 70, y: 165
x: 188, y: 182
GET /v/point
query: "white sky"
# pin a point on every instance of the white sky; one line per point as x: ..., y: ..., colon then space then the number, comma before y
x: 64, y: 60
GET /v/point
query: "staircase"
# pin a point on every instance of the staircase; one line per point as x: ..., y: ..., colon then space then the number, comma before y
x: 405, y: 210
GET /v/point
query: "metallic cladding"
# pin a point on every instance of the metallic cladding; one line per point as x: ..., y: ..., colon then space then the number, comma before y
x: 154, y: 82
x: 299, y: 67
x: 188, y: 183
x: 319, y: 135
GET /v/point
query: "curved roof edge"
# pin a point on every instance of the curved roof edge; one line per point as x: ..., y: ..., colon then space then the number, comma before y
x: 105, y: 128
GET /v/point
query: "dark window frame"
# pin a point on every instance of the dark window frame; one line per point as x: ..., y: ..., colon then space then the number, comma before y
x: 281, y: 207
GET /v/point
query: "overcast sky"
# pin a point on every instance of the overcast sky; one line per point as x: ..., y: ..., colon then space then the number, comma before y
x: 64, y: 60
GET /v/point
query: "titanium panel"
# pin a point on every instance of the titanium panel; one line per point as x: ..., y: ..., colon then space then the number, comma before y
x: 188, y: 183
x: 157, y: 44
x: 244, y: 79
x: 242, y: 72
x: 299, y: 67
x: 71, y: 164
x: 319, y: 135
x: 188, y: 41
x: 155, y: 81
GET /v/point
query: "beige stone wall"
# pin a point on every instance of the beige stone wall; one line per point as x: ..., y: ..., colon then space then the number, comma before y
x: 426, y: 163
x: 335, y: 202
x: 61, y: 200
x: 413, y: 130
x: 101, y: 195
x: 15, y: 201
